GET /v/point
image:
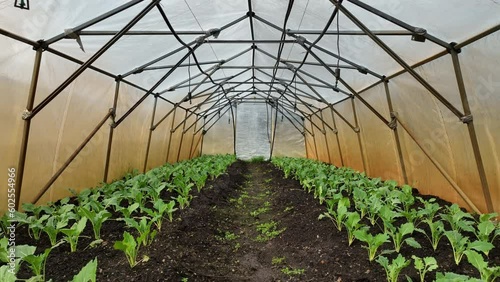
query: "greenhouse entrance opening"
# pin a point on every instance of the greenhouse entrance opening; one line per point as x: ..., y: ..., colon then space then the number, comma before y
x: 253, y: 131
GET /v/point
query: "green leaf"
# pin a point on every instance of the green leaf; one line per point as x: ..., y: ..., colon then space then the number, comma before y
x: 476, y: 259
x: 406, y: 228
x: 413, y: 243
x: 6, y: 274
x: 88, y: 272
x: 481, y: 246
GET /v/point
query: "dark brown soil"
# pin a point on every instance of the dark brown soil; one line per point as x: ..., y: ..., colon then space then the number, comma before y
x: 215, y: 240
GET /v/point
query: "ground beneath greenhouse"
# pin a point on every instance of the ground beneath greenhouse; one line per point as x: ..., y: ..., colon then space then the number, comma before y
x: 216, y: 239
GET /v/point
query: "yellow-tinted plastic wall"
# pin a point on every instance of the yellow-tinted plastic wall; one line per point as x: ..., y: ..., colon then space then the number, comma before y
x: 288, y: 140
x: 59, y: 129
x: 438, y: 130
x: 219, y: 139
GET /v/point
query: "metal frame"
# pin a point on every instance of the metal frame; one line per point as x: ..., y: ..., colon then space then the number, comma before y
x: 283, y: 105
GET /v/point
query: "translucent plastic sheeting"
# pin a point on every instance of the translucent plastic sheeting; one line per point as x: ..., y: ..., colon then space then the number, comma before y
x: 480, y: 63
x: 335, y: 155
x: 220, y: 138
x: 253, y: 131
x: 288, y: 139
x: 49, y: 18
x: 378, y: 138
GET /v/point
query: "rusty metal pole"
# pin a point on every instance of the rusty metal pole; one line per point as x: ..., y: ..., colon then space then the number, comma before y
x: 467, y: 119
x: 111, y: 131
x: 395, y: 132
x: 151, y: 129
x: 358, y: 133
x: 27, y: 125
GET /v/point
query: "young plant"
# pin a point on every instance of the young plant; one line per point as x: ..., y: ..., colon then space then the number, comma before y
x: 437, y: 232
x: 352, y: 223
x: 35, y: 225
x: 360, y: 196
x: 393, y: 269
x: 373, y: 242
x: 127, y: 212
x: 37, y: 263
x: 13, y: 259
x: 458, y: 219
x: 130, y: 247
x: 146, y: 236
x: 398, y: 236
x: 73, y: 233
x: 96, y: 218
x: 460, y: 244
x: 54, y: 225
x: 487, y: 230
x: 424, y: 265
x: 183, y: 201
x: 87, y: 273
x: 487, y: 273
x: 337, y: 215
x: 170, y: 209
x: 374, y: 204
x: 388, y: 216
x: 428, y: 212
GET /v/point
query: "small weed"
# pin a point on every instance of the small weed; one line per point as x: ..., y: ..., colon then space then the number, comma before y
x: 257, y: 159
x: 184, y: 279
x: 290, y: 271
x: 287, y: 209
x: 268, y: 180
x: 239, y: 200
x: 237, y: 246
x: 267, y: 204
x: 278, y: 260
x: 259, y: 211
x: 227, y: 236
x: 268, y: 231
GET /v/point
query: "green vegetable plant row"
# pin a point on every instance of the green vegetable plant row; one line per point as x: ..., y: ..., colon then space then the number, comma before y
x: 371, y: 210
x: 136, y: 200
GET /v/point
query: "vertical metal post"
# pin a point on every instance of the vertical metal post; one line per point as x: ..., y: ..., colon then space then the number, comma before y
x: 234, y: 127
x: 27, y: 125
x: 274, y: 130
x: 326, y: 139
x: 337, y: 137
x: 111, y: 130
x: 203, y: 132
x: 358, y: 133
x: 151, y: 128
x: 395, y: 132
x: 472, y: 131
x: 182, y: 137
x: 314, y: 139
x: 192, y: 140
x: 171, y: 132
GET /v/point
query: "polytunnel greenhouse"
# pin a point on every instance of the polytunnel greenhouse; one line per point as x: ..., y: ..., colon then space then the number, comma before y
x: 250, y: 140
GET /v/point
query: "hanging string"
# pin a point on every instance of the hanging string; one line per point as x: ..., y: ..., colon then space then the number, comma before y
x: 189, y: 76
x: 295, y: 104
x: 337, y: 71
